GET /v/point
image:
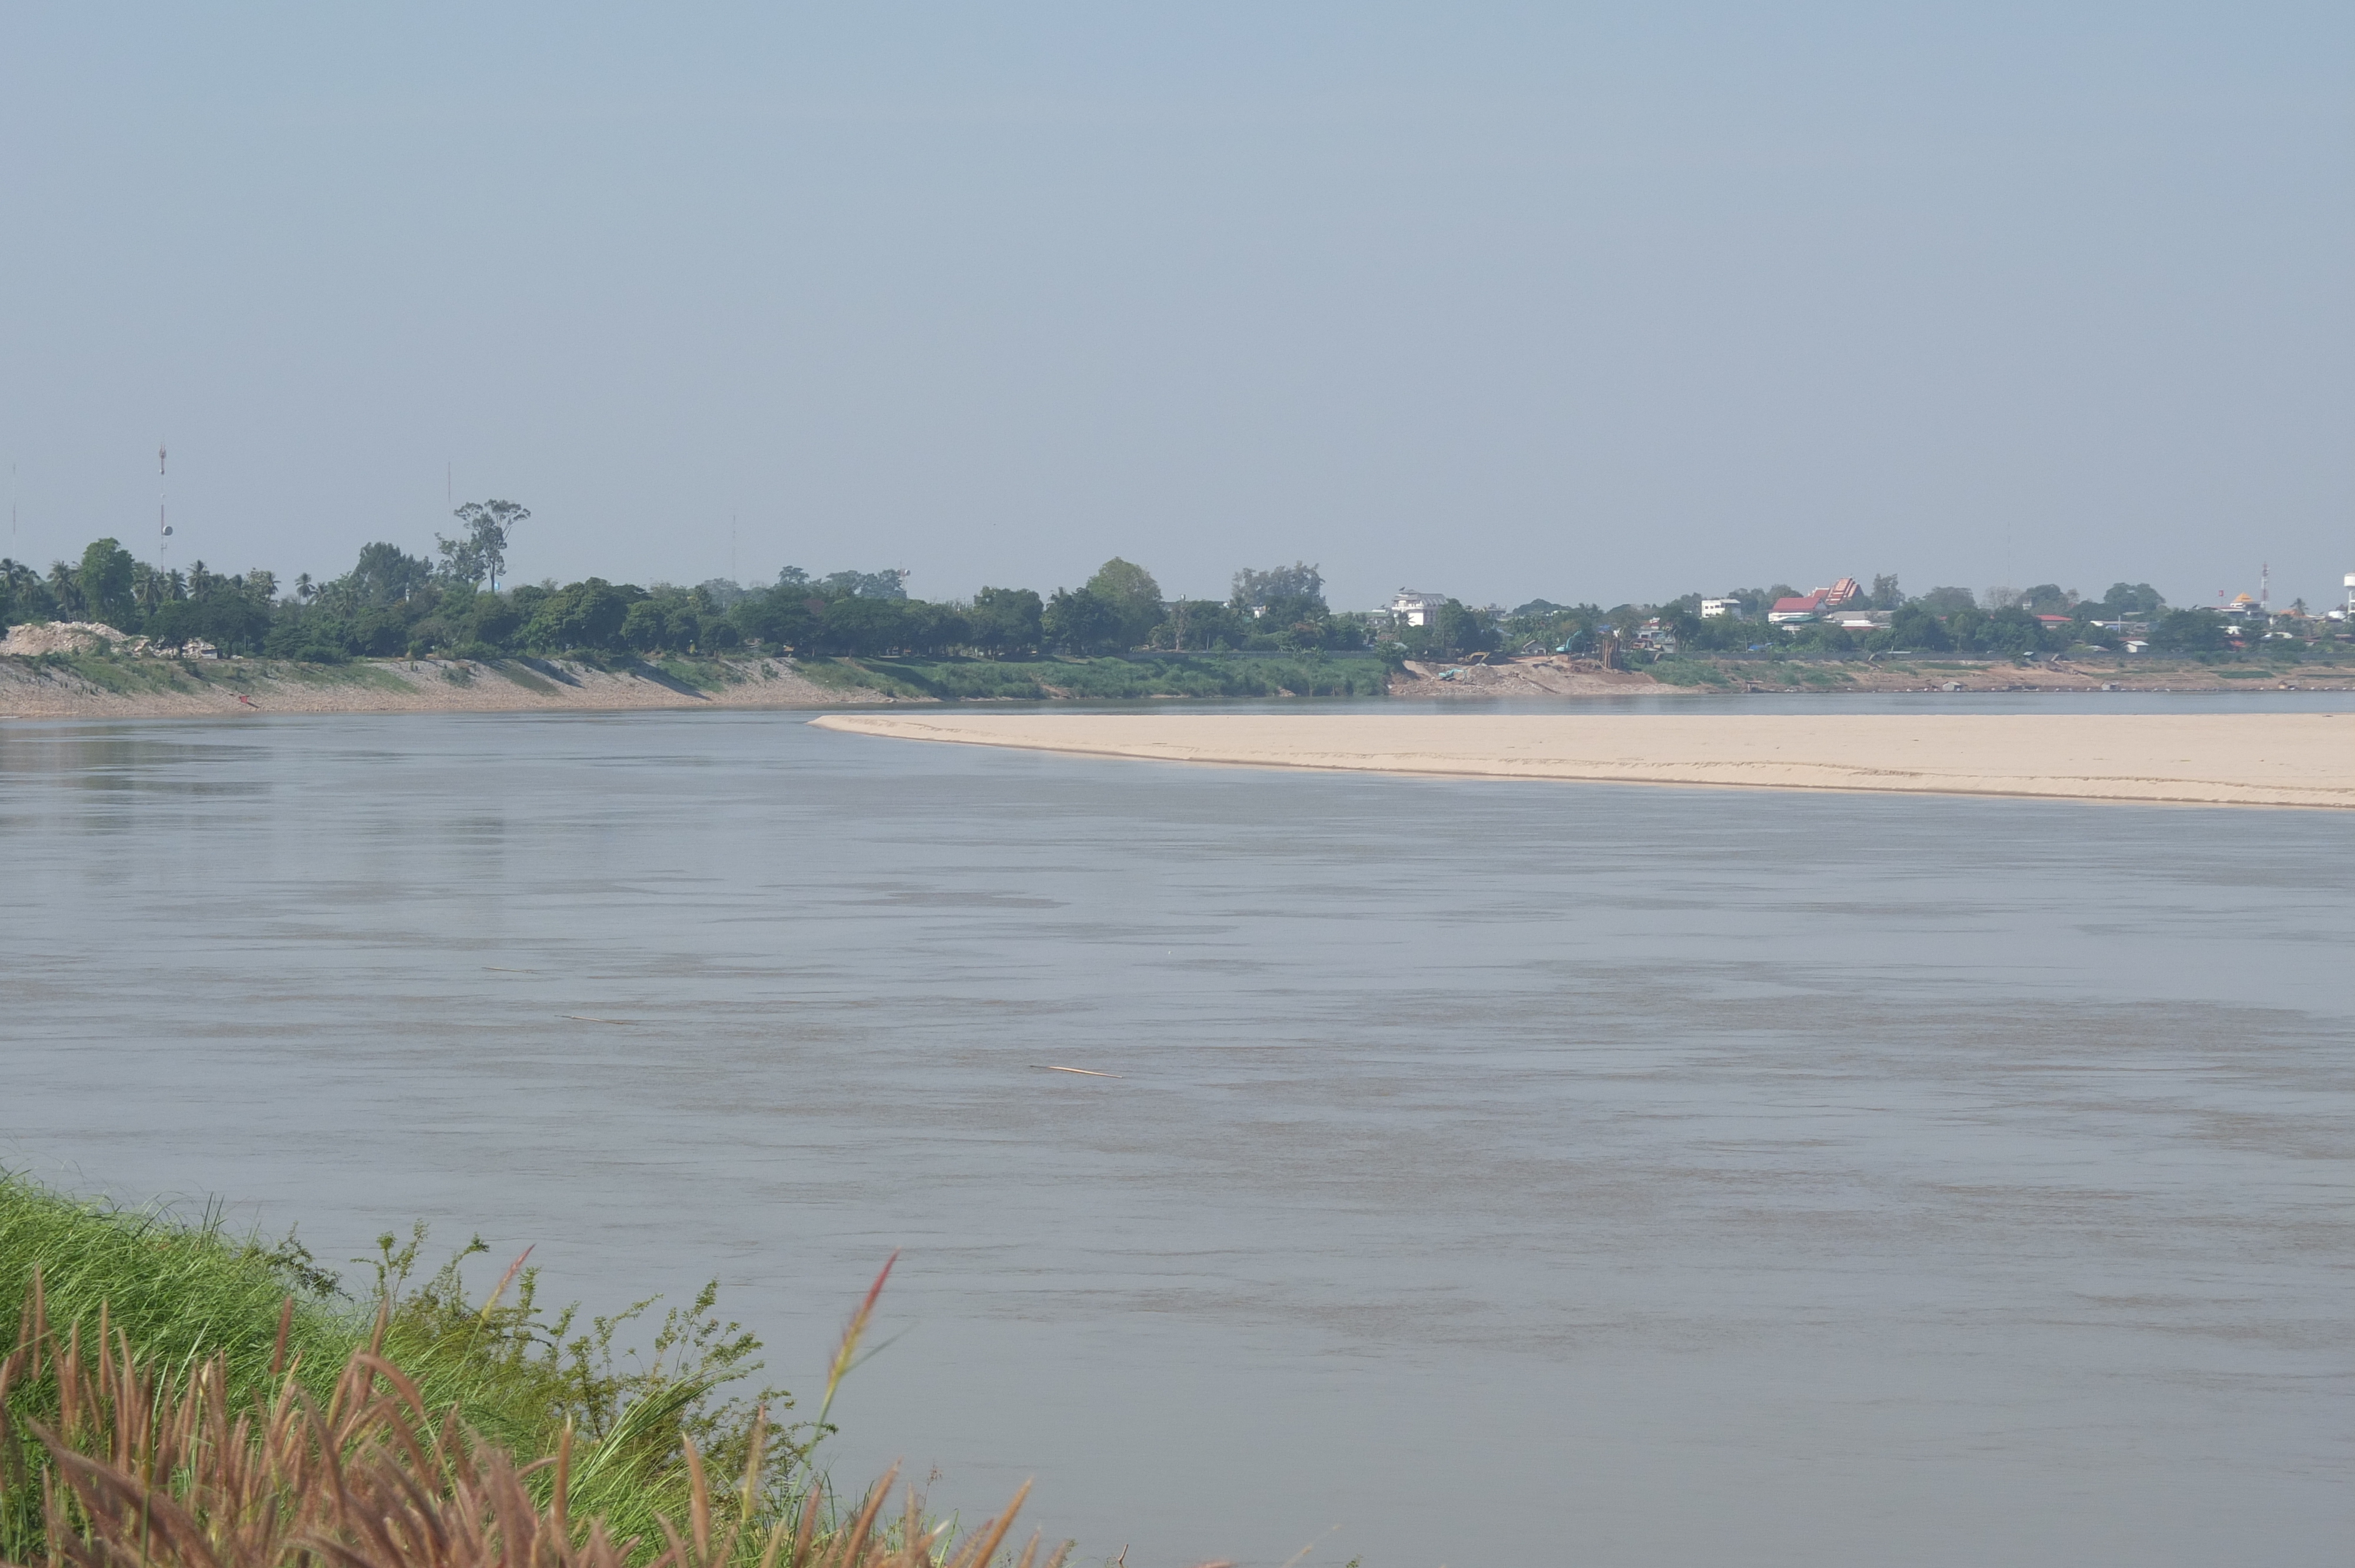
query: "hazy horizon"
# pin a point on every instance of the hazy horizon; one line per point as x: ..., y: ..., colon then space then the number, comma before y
x: 1498, y: 301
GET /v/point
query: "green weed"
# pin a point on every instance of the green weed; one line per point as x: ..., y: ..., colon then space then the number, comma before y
x: 521, y: 1376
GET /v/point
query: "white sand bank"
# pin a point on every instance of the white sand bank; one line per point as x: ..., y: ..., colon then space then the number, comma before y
x: 2242, y: 760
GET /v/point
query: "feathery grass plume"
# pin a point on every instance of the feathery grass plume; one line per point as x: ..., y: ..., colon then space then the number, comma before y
x: 523, y: 1375
x: 846, y: 1354
x: 145, y: 1466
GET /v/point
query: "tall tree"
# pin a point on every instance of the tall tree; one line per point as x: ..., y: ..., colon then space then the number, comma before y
x: 105, y: 578
x: 864, y: 584
x: 864, y: 624
x: 481, y: 551
x: 586, y: 614
x: 1081, y: 622
x: 2132, y: 599
x: 1457, y: 626
x: 1264, y: 590
x: 387, y: 575
x: 21, y: 595
x: 1004, y: 621
x: 65, y: 591
x: 1135, y: 596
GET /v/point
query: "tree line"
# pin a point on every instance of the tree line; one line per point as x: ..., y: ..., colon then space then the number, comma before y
x: 1995, y: 623
x: 393, y: 604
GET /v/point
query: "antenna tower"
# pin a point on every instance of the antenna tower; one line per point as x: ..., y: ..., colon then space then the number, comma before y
x: 163, y: 494
x: 2266, y: 589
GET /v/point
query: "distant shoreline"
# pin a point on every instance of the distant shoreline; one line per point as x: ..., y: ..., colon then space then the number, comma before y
x: 2240, y: 759
x: 1554, y: 675
x: 95, y: 685
x: 170, y: 688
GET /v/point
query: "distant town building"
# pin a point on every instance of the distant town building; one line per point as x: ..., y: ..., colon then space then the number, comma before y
x: 1803, y: 608
x: 1414, y: 609
x: 1716, y: 608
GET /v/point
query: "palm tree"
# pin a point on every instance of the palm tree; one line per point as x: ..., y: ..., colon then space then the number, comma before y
x: 65, y: 588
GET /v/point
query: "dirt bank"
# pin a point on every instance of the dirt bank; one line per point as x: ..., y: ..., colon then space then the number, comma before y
x: 1553, y: 675
x: 2252, y: 760
x: 99, y: 687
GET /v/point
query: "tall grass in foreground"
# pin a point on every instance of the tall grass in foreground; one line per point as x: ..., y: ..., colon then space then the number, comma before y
x: 146, y: 1468
x: 244, y: 1331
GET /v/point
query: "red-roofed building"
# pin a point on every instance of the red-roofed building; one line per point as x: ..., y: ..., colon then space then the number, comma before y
x: 1791, y: 611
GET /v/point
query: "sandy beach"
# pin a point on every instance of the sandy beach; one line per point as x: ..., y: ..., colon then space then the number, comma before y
x: 2240, y: 759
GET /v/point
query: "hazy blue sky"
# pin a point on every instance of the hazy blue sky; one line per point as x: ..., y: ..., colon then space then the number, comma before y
x: 1499, y: 301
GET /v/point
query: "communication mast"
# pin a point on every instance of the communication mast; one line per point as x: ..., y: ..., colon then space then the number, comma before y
x: 2265, y: 590
x: 163, y: 528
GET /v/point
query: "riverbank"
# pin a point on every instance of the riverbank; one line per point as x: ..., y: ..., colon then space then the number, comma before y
x: 95, y: 685
x: 2252, y: 760
x: 115, y: 685
x: 1557, y: 675
x: 1112, y: 678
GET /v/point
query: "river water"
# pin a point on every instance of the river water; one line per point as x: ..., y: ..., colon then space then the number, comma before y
x: 1495, y: 1174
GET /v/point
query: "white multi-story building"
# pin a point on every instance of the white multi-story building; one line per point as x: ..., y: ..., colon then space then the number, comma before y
x: 1414, y: 609
x: 1716, y: 608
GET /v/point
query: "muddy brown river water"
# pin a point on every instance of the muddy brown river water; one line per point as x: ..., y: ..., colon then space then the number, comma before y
x: 1496, y: 1173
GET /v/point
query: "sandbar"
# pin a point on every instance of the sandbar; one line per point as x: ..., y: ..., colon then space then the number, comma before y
x: 2208, y: 759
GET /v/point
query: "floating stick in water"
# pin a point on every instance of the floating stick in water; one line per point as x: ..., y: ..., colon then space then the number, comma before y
x: 1083, y: 1072
x: 584, y: 1018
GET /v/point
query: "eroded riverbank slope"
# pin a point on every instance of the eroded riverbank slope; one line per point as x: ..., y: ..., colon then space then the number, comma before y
x: 100, y: 687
